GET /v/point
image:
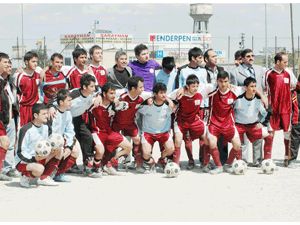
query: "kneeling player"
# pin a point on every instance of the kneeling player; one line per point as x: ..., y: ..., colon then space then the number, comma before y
x: 105, y: 139
x: 28, y: 164
x: 156, y: 126
x: 187, y: 118
x: 62, y: 124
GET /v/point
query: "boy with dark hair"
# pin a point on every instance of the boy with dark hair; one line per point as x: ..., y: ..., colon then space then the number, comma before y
x: 27, y: 84
x: 167, y: 74
x: 28, y: 163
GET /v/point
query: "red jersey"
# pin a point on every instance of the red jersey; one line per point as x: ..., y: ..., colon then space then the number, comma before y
x: 279, y: 91
x: 100, y: 74
x: 74, y: 76
x: 221, y: 108
x: 189, y: 107
x: 127, y: 117
x: 28, y: 88
x: 52, y: 84
x: 102, y: 119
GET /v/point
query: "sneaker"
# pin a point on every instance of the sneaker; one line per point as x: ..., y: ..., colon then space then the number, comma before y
x: 206, y: 169
x: 13, y: 173
x: 131, y: 165
x: 190, y: 165
x: 91, y: 172
x: 285, y: 162
x: 292, y: 164
x: 4, y: 177
x: 74, y: 169
x: 149, y: 167
x: 122, y: 164
x: 25, y: 181
x: 217, y: 170
x: 228, y: 168
x: 110, y: 170
x: 47, y: 182
x: 61, y: 178
x: 140, y: 169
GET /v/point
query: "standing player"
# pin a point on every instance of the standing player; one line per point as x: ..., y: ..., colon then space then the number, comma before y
x: 105, y: 139
x: 99, y: 71
x: 4, y: 113
x: 278, y: 83
x: 124, y: 120
x: 54, y: 79
x: 187, y: 117
x: 27, y: 84
x: 62, y: 124
x: 28, y: 164
x: 156, y: 126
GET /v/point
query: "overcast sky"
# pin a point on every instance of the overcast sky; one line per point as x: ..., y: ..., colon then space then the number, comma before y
x: 51, y: 20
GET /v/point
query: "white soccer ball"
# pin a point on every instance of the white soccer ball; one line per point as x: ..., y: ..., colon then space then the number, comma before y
x: 268, y: 166
x: 42, y: 148
x: 239, y: 167
x: 57, y: 141
x: 172, y: 170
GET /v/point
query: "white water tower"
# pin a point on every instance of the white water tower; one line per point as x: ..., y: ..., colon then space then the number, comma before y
x: 200, y: 13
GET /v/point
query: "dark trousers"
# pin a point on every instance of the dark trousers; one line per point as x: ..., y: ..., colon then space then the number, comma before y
x: 223, y: 149
x: 295, y: 141
x: 84, y: 136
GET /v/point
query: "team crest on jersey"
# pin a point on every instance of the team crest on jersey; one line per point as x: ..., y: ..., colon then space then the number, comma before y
x: 229, y: 101
x: 151, y: 70
x: 137, y: 106
x: 197, y: 102
x: 286, y: 80
x: 102, y: 72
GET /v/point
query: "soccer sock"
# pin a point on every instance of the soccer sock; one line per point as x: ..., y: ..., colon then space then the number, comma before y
x: 176, y: 155
x: 138, y: 155
x: 189, y: 149
x: 216, y: 156
x: 97, y: 163
x: 2, y: 157
x: 268, y: 147
x: 201, y: 152
x: 66, y: 164
x: 114, y: 162
x: 50, y: 167
x: 287, y: 148
x: 206, y: 155
x: 234, y: 154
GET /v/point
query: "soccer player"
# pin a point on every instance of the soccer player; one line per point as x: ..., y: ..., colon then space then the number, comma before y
x: 54, y: 79
x: 187, y: 117
x: 79, y: 69
x: 27, y: 84
x: 251, y: 118
x: 99, y: 71
x: 278, y: 83
x: 106, y: 140
x: 124, y: 120
x: 144, y: 67
x: 28, y: 164
x: 156, y: 127
x: 167, y: 74
x: 4, y: 113
x: 62, y: 124
x: 120, y: 72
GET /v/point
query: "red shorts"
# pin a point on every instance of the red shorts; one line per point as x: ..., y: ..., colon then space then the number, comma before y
x: 195, y: 129
x: 251, y: 131
x: 162, y: 138
x: 280, y: 122
x: 130, y: 130
x: 21, y: 167
x: 111, y: 140
x: 228, y: 133
x: 25, y: 114
x: 2, y: 129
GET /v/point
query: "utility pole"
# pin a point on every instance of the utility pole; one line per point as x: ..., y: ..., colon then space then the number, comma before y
x: 242, y: 42
x: 94, y: 30
x: 22, y: 30
x: 18, y: 52
x: 266, y: 39
x: 292, y: 36
x: 45, y: 53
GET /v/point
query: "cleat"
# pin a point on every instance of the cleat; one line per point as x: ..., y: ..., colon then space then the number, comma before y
x: 191, y: 165
x: 227, y: 168
x: 61, y: 178
x: 140, y: 169
x: 25, y: 181
x: 47, y: 182
x: 110, y: 170
x: 206, y: 169
x: 217, y: 170
x: 13, y: 173
x: 4, y: 177
x: 74, y: 169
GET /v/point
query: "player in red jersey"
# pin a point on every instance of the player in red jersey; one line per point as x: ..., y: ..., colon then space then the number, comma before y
x: 53, y: 79
x: 187, y: 118
x: 99, y: 71
x: 221, y: 121
x: 79, y: 69
x: 278, y: 83
x: 106, y: 140
x: 125, y: 120
x: 27, y: 84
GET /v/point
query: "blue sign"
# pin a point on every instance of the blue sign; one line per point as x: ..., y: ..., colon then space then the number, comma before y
x: 159, y: 54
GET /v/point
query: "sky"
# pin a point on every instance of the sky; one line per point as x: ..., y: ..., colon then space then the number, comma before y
x: 52, y: 20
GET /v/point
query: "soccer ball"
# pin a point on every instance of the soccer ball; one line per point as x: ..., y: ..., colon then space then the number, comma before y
x: 239, y: 167
x: 56, y: 141
x: 42, y: 148
x: 172, y: 169
x: 268, y: 166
